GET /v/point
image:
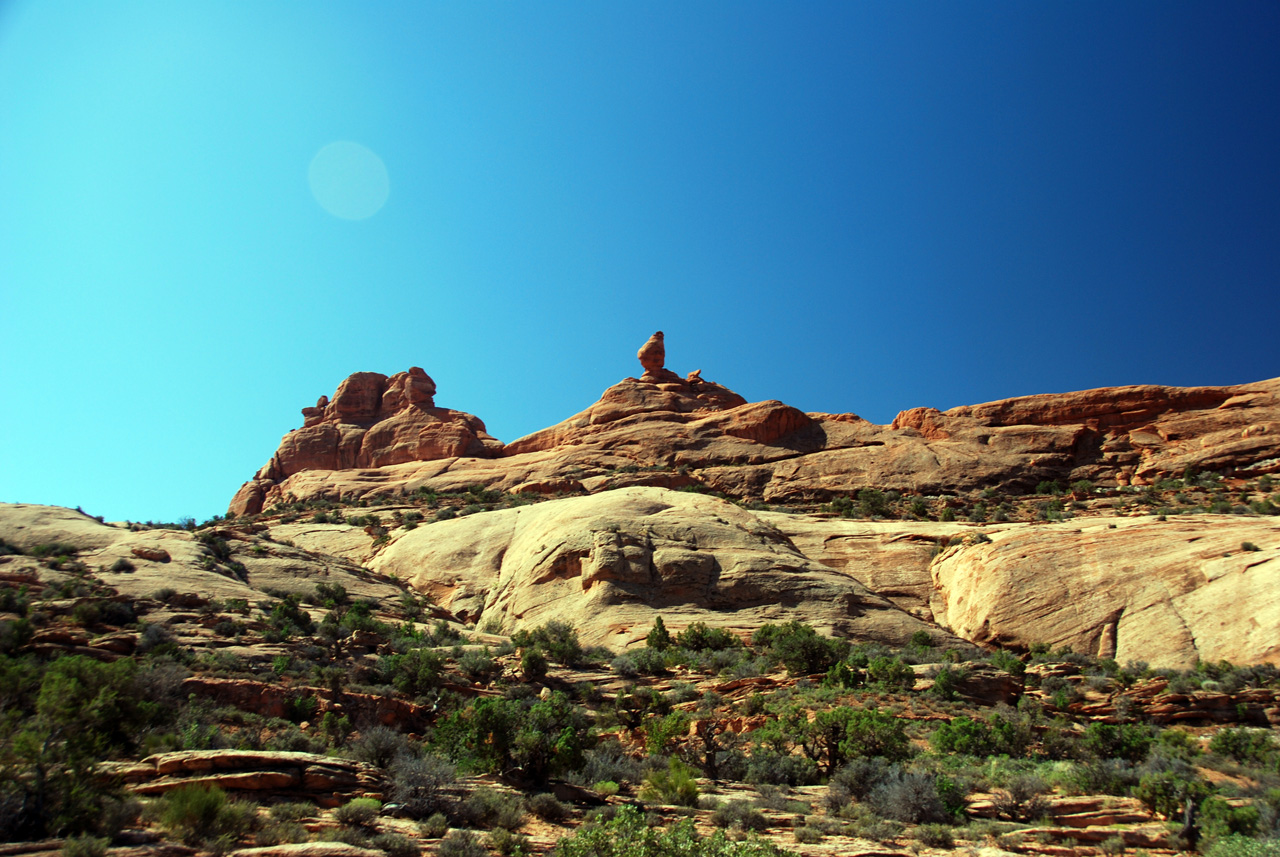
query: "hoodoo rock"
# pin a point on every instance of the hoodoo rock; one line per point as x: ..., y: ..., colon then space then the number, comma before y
x: 373, y: 421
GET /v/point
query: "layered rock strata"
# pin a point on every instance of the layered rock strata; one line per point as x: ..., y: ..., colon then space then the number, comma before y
x: 380, y: 436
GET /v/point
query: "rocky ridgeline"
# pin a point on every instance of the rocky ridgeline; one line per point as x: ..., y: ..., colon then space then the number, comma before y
x: 380, y: 436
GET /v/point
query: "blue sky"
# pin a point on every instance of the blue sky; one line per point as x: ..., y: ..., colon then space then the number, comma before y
x: 851, y: 207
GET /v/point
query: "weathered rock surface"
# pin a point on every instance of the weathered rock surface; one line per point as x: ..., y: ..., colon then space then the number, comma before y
x: 607, y: 563
x: 324, y: 778
x: 177, y: 560
x: 1166, y: 592
x: 383, y: 435
x: 373, y: 421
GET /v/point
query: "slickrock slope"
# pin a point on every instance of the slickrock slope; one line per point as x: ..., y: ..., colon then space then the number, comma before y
x: 176, y: 559
x: 380, y: 436
x: 608, y: 563
x: 1165, y: 592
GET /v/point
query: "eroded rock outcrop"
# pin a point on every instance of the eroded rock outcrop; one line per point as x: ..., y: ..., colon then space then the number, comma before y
x: 380, y: 436
x: 373, y: 421
x: 1167, y: 592
x: 608, y: 563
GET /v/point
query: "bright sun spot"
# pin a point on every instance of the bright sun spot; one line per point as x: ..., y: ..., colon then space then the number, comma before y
x: 348, y: 180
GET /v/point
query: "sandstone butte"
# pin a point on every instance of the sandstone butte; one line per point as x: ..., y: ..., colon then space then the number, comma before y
x: 1166, y: 592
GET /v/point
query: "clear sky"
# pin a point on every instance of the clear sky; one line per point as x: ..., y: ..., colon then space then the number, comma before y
x: 849, y: 206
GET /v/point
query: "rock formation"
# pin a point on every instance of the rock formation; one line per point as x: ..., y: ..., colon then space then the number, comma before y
x: 373, y: 421
x: 380, y: 436
x: 608, y: 563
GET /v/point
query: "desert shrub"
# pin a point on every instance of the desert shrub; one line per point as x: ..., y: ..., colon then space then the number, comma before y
x: 1023, y: 799
x: 379, y: 746
x: 625, y: 666
x: 201, y: 815
x: 661, y: 732
x: 359, y: 812
x: 648, y: 661
x: 292, y: 811
x: 659, y: 637
x: 413, y: 673
x: 608, y: 762
x: 799, y: 647
x: 1100, y: 777
x: 418, y: 784
x: 698, y: 637
x: 477, y: 664
x: 85, y: 845
x: 1246, y: 746
x: 628, y: 834
x: 891, y: 673
x: 1128, y: 741
x: 280, y: 833
x: 1243, y: 846
x: 857, y: 779
x: 909, y: 796
x: 740, y: 814
x: 934, y: 835
x: 434, y: 827
x: 396, y: 845
x: 488, y: 807
x: 780, y: 769
x: 507, y: 843
x: 1219, y: 818
x: 460, y: 843
x: 548, y: 808
x: 675, y: 785
x: 558, y: 640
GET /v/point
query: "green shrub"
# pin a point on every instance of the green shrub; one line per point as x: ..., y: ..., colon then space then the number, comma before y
x: 292, y: 811
x: 546, y: 807
x: 533, y: 664
x: 1243, y: 846
x: 1246, y: 746
x: 558, y: 640
x: 767, y: 766
x: 698, y: 637
x: 488, y: 807
x: 85, y: 845
x: 891, y: 673
x: 359, y: 812
x: 201, y: 815
x: 799, y: 647
x: 435, y: 826
x: 676, y: 785
x: 934, y: 835
x: 739, y: 814
x: 1219, y: 818
x: 396, y: 845
x: 658, y: 638
x: 460, y: 843
x: 1128, y: 741
x: 507, y: 843
x: 628, y: 834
